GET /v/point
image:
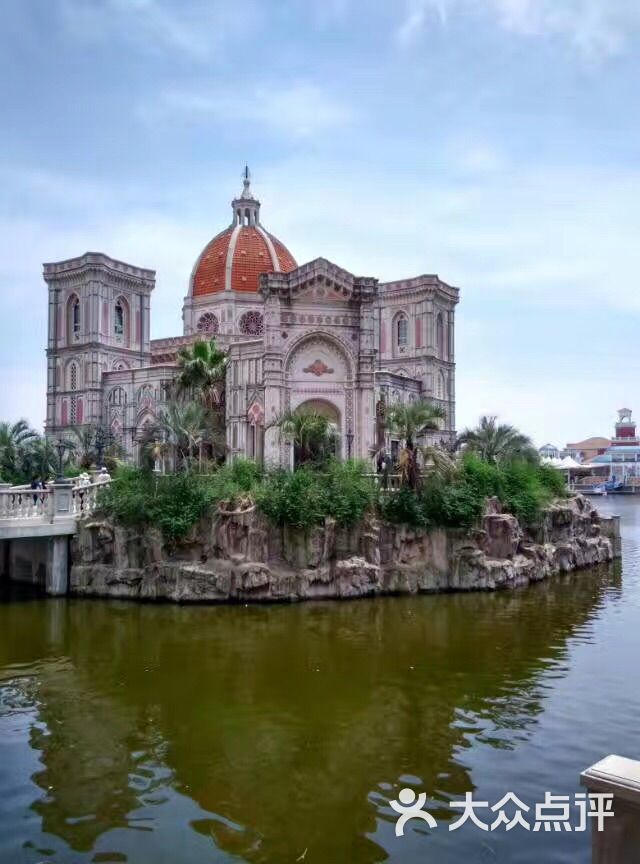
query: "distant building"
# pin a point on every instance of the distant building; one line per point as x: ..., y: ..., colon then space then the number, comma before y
x: 585, y: 451
x: 549, y: 451
x: 623, y: 454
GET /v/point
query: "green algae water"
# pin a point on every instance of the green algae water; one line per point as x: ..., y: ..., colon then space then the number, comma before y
x: 153, y: 734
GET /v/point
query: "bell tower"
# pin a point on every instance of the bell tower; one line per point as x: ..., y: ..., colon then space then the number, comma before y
x: 99, y: 312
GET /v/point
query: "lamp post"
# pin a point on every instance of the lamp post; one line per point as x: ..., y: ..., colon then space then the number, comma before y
x: 349, y: 437
x: 102, y: 439
x: 61, y: 447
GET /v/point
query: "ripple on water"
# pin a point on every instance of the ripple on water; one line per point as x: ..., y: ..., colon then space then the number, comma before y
x: 160, y: 733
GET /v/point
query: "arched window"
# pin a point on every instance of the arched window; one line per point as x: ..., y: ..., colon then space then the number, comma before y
x: 441, y: 386
x: 251, y: 324
x: 73, y: 319
x: 73, y: 377
x: 440, y: 336
x: 118, y: 321
x: 145, y: 395
x: 208, y: 323
x: 402, y: 331
x: 121, y: 321
x: 117, y: 396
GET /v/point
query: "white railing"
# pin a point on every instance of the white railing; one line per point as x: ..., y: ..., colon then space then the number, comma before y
x: 84, y: 498
x: 56, y: 501
x: 24, y: 503
x: 386, y: 482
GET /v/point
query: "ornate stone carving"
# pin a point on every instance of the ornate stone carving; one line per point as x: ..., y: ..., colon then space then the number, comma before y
x: 319, y: 368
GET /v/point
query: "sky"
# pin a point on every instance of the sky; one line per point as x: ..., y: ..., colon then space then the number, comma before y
x: 493, y: 142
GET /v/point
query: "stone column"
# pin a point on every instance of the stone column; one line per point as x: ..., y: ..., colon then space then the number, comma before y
x: 57, y: 579
x: 619, y: 842
x: 62, y: 499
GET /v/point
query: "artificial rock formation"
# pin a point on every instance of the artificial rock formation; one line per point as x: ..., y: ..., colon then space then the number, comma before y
x: 239, y: 556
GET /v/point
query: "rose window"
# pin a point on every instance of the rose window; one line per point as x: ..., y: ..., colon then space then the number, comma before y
x: 208, y: 323
x: 252, y: 324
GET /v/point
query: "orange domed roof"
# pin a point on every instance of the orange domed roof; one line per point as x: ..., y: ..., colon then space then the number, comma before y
x: 236, y: 257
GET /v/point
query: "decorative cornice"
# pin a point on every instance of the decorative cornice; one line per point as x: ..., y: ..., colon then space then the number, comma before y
x: 98, y: 262
x: 288, y: 286
x: 431, y: 284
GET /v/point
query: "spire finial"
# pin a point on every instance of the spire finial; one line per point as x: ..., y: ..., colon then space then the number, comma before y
x: 246, y: 208
x: 246, y: 183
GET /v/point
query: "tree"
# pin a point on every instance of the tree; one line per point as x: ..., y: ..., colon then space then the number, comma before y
x: 82, y: 445
x: 202, y: 372
x: 410, y: 421
x: 310, y: 432
x: 154, y: 448
x: 14, y: 440
x: 39, y: 458
x: 497, y: 442
x: 186, y: 428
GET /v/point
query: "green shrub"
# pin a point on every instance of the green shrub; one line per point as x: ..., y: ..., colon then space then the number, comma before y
x: 350, y: 493
x: 522, y: 487
x: 294, y: 498
x: 306, y: 496
x: 173, y: 503
x: 341, y: 490
x: 403, y: 507
x: 452, y: 505
x: 553, y: 480
x: 234, y: 481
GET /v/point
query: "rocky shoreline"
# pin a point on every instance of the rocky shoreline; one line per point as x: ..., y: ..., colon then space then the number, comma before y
x: 240, y: 557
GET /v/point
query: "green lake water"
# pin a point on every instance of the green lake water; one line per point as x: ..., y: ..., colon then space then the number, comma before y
x: 157, y: 733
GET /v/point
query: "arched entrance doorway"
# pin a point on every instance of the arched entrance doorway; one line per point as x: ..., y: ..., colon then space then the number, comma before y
x: 320, y: 437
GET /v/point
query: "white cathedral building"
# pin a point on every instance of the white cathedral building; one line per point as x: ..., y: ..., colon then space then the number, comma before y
x: 312, y: 336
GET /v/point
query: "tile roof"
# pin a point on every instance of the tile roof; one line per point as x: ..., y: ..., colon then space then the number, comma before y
x: 251, y: 257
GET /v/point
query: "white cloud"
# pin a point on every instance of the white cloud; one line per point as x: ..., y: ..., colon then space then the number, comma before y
x: 594, y: 27
x: 197, y: 29
x: 417, y: 16
x: 300, y: 109
x: 545, y: 242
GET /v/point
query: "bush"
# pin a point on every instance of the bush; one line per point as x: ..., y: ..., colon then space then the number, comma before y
x: 452, y: 505
x: 349, y: 492
x: 341, y: 490
x: 235, y: 481
x: 403, y: 507
x: 305, y: 497
x: 523, y: 488
x: 173, y: 503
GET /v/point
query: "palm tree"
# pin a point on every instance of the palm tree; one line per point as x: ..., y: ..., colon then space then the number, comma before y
x: 154, y: 448
x: 310, y: 432
x: 410, y: 421
x: 82, y: 445
x: 202, y: 371
x: 14, y: 439
x: 39, y: 458
x: 497, y: 442
x: 186, y: 428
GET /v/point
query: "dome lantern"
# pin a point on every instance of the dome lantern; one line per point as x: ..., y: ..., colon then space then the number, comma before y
x: 246, y: 208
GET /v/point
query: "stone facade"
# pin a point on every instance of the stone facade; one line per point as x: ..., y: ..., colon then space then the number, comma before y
x: 312, y: 335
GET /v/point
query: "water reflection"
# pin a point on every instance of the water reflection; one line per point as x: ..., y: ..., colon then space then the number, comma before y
x: 259, y: 732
